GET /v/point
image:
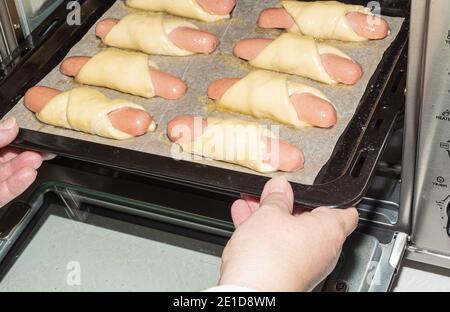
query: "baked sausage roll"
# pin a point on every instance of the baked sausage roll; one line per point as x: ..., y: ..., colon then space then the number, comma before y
x: 86, y: 110
x: 234, y: 141
x: 119, y: 70
x: 324, y: 19
x: 184, y: 8
x: 297, y: 55
x: 264, y: 94
x: 148, y: 33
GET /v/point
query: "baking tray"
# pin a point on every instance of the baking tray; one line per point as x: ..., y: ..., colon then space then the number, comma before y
x: 342, y: 182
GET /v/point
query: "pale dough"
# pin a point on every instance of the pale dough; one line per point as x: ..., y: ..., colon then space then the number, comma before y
x: 148, y: 33
x: 234, y: 141
x: 324, y: 19
x: 264, y: 94
x: 298, y: 55
x: 119, y: 70
x: 184, y: 8
x: 85, y: 109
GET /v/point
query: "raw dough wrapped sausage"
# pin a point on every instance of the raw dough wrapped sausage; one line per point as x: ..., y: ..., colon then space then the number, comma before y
x: 148, y: 33
x: 85, y: 109
x: 119, y: 70
x: 297, y: 55
x: 234, y: 141
x: 264, y: 94
x: 324, y: 19
x: 185, y: 8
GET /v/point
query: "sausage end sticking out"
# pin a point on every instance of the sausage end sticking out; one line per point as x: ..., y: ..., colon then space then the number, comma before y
x: 37, y: 97
x: 133, y: 121
x: 310, y: 108
x: 248, y: 49
x: 186, y: 128
x: 104, y: 27
x: 284, y: 156
x: 190, y: 39
x: 275, y: 18
x: 219, y: 87
x: 366, y: 26
x: 72, y: 65
x: 194, y: 40
x: 341, y: 69
x: 129, y: 120
x: 314, y: 110
x: 166, y: 85
x: 218, y: 7
x: 280, y: 154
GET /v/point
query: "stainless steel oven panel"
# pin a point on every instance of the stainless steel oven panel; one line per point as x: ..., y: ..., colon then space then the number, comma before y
x: 10, y: 30
x: 413, y: 94
x: 33, y: 12
x: 431, y: 204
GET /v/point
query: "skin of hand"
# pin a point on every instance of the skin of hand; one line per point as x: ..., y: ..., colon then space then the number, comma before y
x: 279, y: 248
x: 17, y: 167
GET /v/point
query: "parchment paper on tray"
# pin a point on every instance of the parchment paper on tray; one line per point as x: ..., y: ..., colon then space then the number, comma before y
x: 200, y: 71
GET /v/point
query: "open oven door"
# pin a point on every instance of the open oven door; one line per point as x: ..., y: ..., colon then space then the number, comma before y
x: 96, y: 229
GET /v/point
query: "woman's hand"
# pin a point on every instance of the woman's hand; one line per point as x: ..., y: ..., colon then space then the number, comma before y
x: 17, y: 168
x: 276, y: 248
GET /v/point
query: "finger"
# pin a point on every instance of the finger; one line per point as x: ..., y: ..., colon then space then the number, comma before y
x: 252, y: 202
x: 16, y: 185
x: 8, y: 131
x: 8, y: 153
x: 240, y: 211
x: 347, y: 219
x: 48, y: 156
x: 26, y: 159
x: 300, y: 210
x: 278, y: 193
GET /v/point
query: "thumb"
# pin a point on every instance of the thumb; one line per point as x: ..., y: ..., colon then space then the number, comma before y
x: 8, y: 131
x: 278, y: 194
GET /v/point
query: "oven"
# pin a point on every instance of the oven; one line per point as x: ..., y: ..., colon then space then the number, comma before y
x: 165, y: 223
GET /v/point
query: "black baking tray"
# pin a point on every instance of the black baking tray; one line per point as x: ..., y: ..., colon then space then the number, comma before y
x: 342, y: 182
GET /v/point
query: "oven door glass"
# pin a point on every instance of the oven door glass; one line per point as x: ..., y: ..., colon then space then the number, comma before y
x: 81, y: 243
x: 72, y: 239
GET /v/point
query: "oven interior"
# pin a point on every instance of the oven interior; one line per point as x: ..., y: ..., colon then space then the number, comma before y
x: 182, y: 221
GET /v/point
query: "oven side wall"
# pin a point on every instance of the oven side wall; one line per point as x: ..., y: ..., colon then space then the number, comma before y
x: 419, y: 9
x: 428, y: 94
